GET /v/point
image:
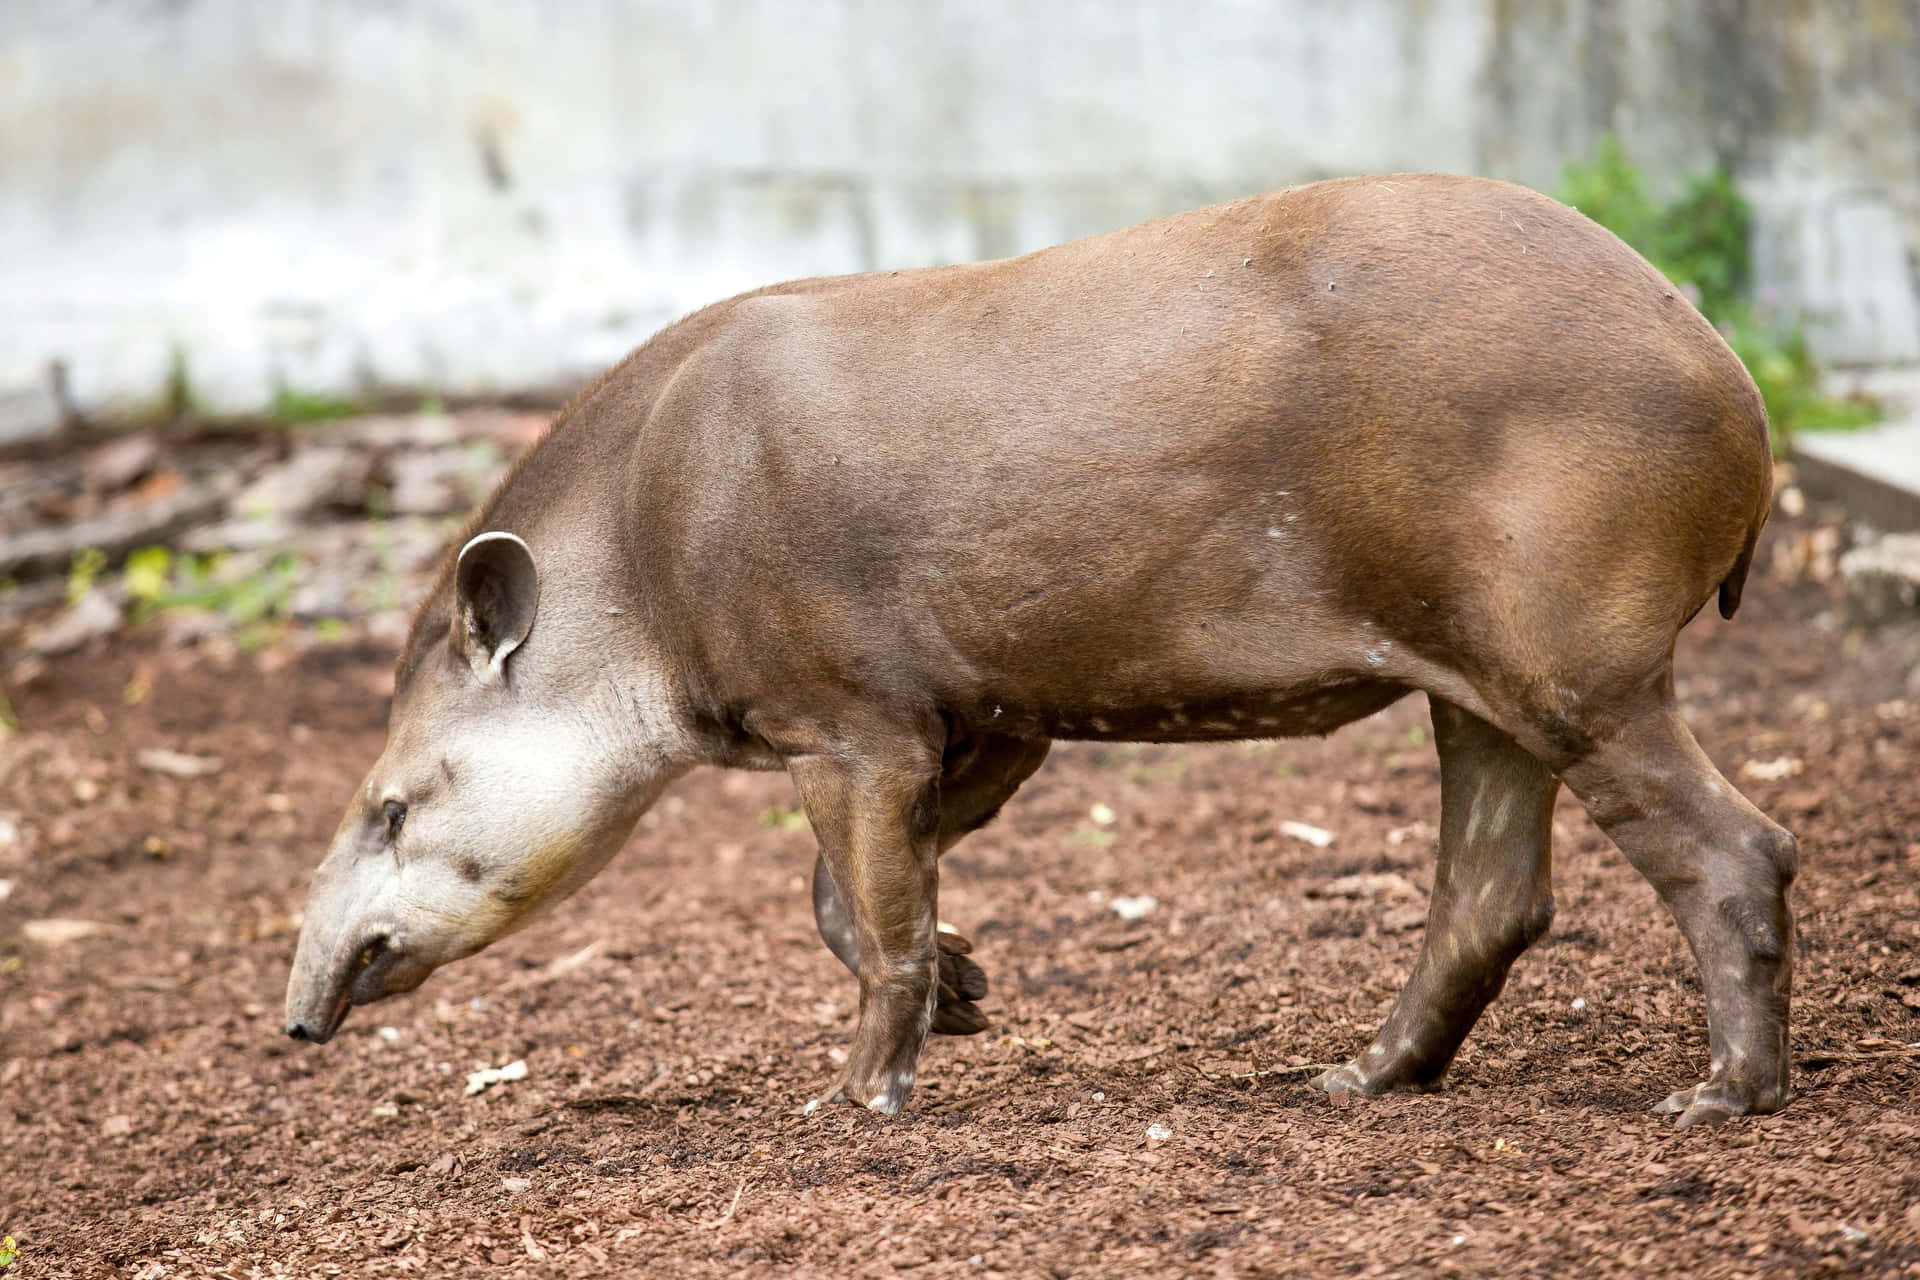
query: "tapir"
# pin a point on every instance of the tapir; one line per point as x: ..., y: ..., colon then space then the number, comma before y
x: 1252, y: 471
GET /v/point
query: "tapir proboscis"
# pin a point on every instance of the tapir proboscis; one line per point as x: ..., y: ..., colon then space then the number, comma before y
x: 1252, y: 471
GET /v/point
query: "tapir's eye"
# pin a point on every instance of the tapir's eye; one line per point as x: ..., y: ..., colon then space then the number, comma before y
x: 396, y: 815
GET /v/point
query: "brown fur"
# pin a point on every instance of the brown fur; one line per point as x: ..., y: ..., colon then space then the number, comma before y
x: 1248, y: 471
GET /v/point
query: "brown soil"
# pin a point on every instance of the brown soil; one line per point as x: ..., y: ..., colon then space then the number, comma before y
x: 153, y: 1121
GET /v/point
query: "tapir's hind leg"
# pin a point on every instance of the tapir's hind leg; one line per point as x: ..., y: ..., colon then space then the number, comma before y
x: 1723, y: 869
x: 973, y: 786
x: 1492, y: 897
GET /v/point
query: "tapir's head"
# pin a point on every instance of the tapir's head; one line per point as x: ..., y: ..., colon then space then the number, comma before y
x: 520, y: 752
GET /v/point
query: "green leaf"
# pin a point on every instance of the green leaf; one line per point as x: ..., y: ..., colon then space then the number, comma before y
x: 147, y: 574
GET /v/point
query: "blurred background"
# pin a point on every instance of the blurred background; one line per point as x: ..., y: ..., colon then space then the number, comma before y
x: 238, y: 202
x: 222, y: 220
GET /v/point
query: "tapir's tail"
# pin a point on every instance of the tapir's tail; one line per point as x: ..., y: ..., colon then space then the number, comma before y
x: 1736, y: 580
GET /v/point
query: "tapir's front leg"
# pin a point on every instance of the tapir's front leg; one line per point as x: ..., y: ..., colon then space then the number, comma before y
x: 974, y: 783
x: 962, y: 982
x: 877, y: 821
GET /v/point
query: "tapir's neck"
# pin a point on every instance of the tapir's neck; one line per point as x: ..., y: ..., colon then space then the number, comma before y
x: 576, y: 501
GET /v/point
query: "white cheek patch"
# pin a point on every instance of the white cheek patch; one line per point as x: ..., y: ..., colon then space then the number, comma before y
x: 539, y: 807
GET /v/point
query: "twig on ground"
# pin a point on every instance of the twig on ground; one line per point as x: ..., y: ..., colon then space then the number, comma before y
x: 1301, y: 1070
x: 727, y: 1217
x: 1814, y: 1061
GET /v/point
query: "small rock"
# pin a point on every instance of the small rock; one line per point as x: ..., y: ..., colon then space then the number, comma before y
x: 117, y: 1126
x: 385, y: 1111
x: 1102, y: 814
x: 115, y: 466
x: 1158, y: 1132
x: 1579, y: 1004
x: 6, y: 889
x: 54, y: 932
x: 94, y: 617
x: 1883, y: 579
x: 178, y: 764
x: 1793, y: 503
x: 478, y: 1081
x: 314, y: 478
x: 1773, y: 770
x: 516, y: 1185
x: 1318, y: 837
x: 389, y: 1034
x: 1135, y: 908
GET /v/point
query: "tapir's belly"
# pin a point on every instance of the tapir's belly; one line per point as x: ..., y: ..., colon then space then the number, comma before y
x: 1277, y: 713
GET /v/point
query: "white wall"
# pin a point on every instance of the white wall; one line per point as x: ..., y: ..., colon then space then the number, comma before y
x: 487, y: 197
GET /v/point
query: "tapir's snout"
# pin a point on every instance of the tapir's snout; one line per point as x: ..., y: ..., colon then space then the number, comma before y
x: 322, y: 992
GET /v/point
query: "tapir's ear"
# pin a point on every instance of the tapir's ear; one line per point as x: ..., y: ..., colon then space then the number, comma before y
x: 495, y: 591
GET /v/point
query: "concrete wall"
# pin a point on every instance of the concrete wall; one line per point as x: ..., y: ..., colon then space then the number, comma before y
x: 479, y: 198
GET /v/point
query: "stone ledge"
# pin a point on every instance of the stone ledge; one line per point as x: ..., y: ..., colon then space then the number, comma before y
x: 1873, y: 472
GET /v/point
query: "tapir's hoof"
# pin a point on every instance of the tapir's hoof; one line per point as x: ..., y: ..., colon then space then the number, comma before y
x: 1345, y: 1079
x: 1717, y: 1101
x: 1385, y: 1077
x: 962, y: 982
x: 885, y: 1099
x: 959, y: 1018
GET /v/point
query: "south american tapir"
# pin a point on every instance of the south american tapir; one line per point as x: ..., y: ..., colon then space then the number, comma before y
x: 1252, y: 471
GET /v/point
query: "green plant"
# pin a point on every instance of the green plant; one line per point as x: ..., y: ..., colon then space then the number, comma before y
x: 9, y: 1252
x: 1607, y: 188
x: 781, y: 818
x: 158, y: 580
x: 1700, y: 240
x: 177, y: 399
x: 88, y: 564
x: 146, y: 574
x: 291, y: 408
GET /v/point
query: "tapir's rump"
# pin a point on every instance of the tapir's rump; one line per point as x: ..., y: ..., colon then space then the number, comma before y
x: 1250, y: 471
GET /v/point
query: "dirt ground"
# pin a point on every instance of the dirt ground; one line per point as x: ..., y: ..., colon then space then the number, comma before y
x: 1139, y: 1108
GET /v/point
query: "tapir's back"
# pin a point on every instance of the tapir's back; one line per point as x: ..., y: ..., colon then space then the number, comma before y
x: 1222, y: 450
